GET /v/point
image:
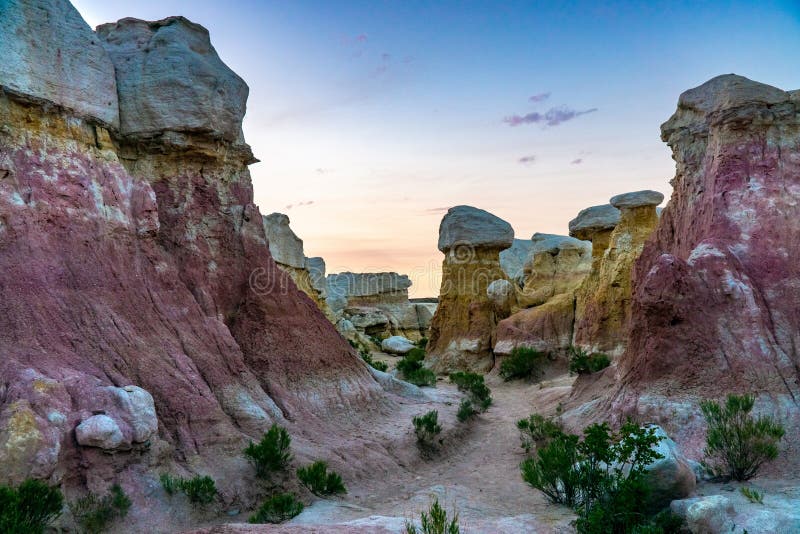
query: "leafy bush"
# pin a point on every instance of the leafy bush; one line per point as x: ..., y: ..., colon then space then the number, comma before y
x: 583, y: 363
x: 522, y: 363
x: 752, y: 495
x: 199, y: 490
x: 536, y: 431
x: 465, y: 410
x: 738, y: 444
x: 422, y: 343
x: 411, y: 369
x: 367, y: 357
x: 272, y: 453
x: 473, y: 384
x: 427, y: 427
x: 435, y: 521
x: 94, y: 513
x: 29, y: 508
x: 277, y: 509
x: 602, y: 475
x: 319, y: 481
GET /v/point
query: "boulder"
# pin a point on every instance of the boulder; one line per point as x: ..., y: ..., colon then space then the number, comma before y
x: 513, y: 260
x: 671, y: 477
x: 170, y: 78
x: 603, y: 301
x: 76, y: 74
x: 397, y: 345
x: 100, y: 431
x: 462, y: 328
x: 722, y: 514
x: 715, y: 288
x: 502, y: 294
x: 467, y: 227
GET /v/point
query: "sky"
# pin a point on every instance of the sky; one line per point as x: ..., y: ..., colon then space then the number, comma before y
x: 372, y: 118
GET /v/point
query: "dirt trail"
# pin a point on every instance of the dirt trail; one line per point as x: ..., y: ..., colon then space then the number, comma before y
x: 476, y: 470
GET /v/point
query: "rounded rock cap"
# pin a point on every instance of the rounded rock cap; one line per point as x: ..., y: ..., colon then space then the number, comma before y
x: 592, y: 220
x: 637, y: 199
x: 465, y: 225
x: 554, y: 243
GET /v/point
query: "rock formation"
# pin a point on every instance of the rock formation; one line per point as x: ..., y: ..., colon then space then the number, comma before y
x: 553, y: 273
x: 287, y: 251
x: 603, y: 302
x: 461, y: 331
x: 376, y: 305
x: 139, y: 297
x: 716, y: 287
x: 514, y: 258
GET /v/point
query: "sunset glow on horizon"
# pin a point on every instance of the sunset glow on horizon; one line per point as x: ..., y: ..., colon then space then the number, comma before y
x: 372, y: 118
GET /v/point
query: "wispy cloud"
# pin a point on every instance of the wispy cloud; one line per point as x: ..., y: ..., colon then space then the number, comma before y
x: 361, y: 38
x: 540, y: 97
x: 527, y: 160
x: 323, y: 170
x: 552, y: 117
x: 576, y: 161
x: 297, y: 205
x: 437, y: 210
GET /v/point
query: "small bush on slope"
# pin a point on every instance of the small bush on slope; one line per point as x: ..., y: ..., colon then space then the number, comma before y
x: 473, y: 384
x: 583, y: 363
x: 427, y: 427
x: 522, y: 363
x: 272, y: 453
x: 319, y: 481
x: 277, y: 509
x: 536, y: 431
x: 367, y: 357
x: 465, y: 410
x: 737, y: 444
x: 435, y: 521
x: 94, y: 514
x: 411, y: 369
x: 29, y: 508
x: 199, y: 490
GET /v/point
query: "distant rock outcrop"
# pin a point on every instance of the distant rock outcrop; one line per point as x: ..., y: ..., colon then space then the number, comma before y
x: 603, y: 303
x: 716, y: 287
x: 376, y: 305
x: 553, y: 273
x: 461, y: 331
x: 514, y: 258
x: 139, y: 299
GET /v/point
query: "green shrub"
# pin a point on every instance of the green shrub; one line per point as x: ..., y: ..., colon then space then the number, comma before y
x: 319, y: 481
x: 601, y: 476
x: 752, y: 495
x: 435, y: 521
x: 199, y: 490
x: 427, y: 427
x: 738, y: 444
x: 473, y: 384
x: 411, y: 369
x: 277, y: 509
x: 465, y: 410
x: 272, y: 453
x: 522, y: 363
x: 583, y: 363
x: 367, y: 357
x: 536, y: 431
x: 422, y: 343
x: 29, y: 508
x: 94, y: 514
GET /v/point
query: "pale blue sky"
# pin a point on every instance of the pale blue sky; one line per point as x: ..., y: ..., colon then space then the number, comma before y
x: 376, y: 115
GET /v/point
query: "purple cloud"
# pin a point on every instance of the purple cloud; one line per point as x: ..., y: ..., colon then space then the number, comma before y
x: 361, y: 38
x: 539, y: 97
x: 577, y: 161
x: 552, y: 117
x: 526, y: 160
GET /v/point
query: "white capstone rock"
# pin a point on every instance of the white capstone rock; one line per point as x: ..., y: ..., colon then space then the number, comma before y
x: 473, y: 227
x: 593, y: 220
x: 48, y: 52
x: 512, y: 260
x: 637, y: 199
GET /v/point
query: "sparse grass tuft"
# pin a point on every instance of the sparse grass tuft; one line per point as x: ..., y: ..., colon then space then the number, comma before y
x: 272, y: 454
x: 522, y: 363
x: 319, y: 480
x: 277, y: 509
